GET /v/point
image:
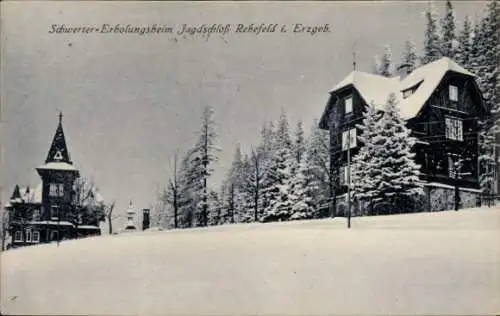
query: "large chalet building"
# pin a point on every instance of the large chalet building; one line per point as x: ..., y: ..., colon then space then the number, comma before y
x: 441, y: 104
x: 46, y: 213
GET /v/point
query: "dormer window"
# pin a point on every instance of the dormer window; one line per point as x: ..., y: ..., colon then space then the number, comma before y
x: 407, y: 93
x: 453, y: 91
x: 348, y: 105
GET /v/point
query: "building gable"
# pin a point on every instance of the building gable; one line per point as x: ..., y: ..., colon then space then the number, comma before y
x: 412, y: 92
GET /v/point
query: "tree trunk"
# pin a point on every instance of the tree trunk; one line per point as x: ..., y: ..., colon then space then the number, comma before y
x: 110, y: 222
x: 110, y: 225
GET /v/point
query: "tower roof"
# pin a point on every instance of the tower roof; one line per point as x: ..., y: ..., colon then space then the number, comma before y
x: 16, y: 194
x: 58, y: 151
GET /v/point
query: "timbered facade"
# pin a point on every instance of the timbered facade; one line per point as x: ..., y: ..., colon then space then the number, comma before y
x: 442, y: 105
x: 47, y: 212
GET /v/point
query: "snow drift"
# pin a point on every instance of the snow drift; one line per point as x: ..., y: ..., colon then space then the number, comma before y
x: 427, y: 263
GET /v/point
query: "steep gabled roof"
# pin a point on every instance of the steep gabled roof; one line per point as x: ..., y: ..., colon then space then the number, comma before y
x: 373, y: 88
x: 27, y: 195
x: 376, y: 89
x: 430, y: 75
x: 58, y: 151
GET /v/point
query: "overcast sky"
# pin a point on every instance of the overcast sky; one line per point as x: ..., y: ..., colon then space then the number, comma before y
x: 130, y: 101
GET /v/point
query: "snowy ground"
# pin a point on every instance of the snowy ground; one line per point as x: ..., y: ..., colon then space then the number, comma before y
x: 430, y: 263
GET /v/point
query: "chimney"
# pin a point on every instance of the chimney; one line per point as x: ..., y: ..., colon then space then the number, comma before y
x: 145, y: 219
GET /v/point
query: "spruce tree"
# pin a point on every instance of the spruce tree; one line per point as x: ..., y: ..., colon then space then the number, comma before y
x: 387, y: 160
x: 304, y: 189
x: 387, y: 69
x: 282, y: 137
x: 384, y: 65
x: 409, y: 58
x: 203, y: 156
x: 464, y: 52
x: 233, y: 188
x: 448, y: 42
x: 299, y: 142
x: 278, y: 191
x: 432, y: 46
x: 318, y: 159
x: 254, y: 181
x: 365, y: 172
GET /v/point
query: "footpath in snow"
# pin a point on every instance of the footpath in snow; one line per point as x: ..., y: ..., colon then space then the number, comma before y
x: 427, y: 263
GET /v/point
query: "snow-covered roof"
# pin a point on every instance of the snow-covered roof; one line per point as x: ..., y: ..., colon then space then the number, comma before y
x: 430, y: 75
x: 58, y: 166
x: 28, y: 195
x: 60, y: 223
x: 376, y: 89
x: 373, y: 88
x: 88, y: 227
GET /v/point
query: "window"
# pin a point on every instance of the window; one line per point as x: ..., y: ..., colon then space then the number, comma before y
x: 348, y: 105
x: 407, y: 93
x: 453, y: 93
x: 36, y: 215
x: 56, y: 189
x: 36, y: 236
x: 54, y: 211
x: 28, y: 235
x: 58, y: 156
x: 454, y: 128
x: 18, y: 236
x: 349, y: 139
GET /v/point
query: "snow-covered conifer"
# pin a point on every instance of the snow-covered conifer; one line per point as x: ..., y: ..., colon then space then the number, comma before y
x: 303, y: 188
x: 386, y: 64
x: 299, y: 142
x: 365, y: 172
x: 387, y: 158
x: 317, y: 157
x: 464, y: 52
x: 448, y: 24
x: 409, y: 58
x: 277, y: 191
x: 203, y: 156
x: 282, y: 136
x: 432, y: 42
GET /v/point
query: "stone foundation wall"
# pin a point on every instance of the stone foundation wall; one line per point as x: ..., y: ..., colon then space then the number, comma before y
x: 443, y: 199
x: 435, y: 199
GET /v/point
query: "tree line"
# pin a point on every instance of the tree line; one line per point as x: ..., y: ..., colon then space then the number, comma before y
x: 288, y: 176
x: 281, y: 178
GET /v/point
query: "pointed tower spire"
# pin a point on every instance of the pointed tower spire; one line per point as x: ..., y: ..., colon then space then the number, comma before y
x: 58, y: 151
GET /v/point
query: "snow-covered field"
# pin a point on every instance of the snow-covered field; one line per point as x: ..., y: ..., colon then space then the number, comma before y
x: 429, y: 263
